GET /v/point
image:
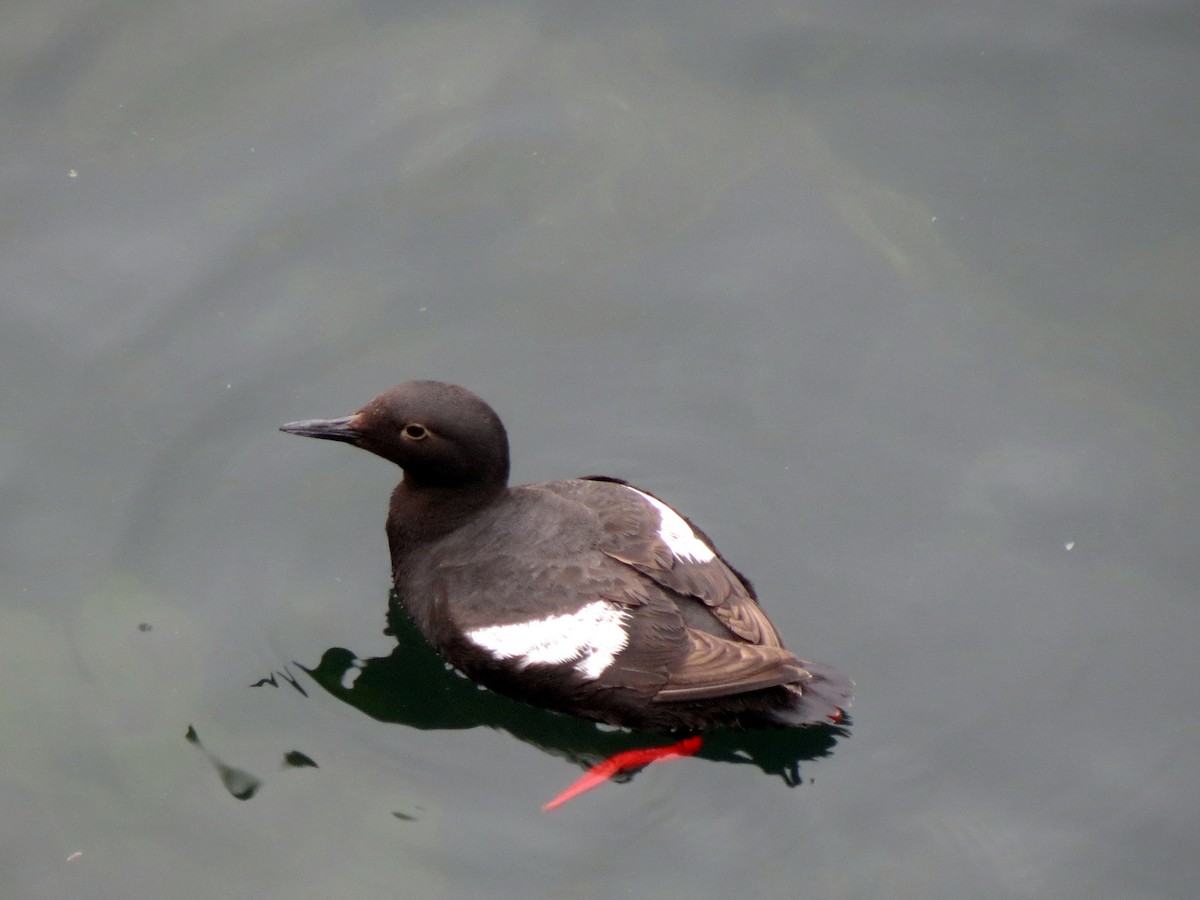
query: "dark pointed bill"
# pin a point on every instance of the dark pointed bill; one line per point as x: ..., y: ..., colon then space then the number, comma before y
x: 327, y: 429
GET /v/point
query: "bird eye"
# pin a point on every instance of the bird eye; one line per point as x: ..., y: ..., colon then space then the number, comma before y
x: 415, y: 432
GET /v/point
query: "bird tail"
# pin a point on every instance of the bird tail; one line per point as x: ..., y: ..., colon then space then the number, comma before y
x: 824, y: 696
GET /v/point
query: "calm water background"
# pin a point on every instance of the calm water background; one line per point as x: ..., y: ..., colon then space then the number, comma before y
x: 897, y: 299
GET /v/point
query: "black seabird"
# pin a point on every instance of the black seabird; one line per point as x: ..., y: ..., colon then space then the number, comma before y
x: 588, y: 596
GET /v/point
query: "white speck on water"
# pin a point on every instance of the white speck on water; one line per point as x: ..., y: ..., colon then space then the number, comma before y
x: 1069, y: 545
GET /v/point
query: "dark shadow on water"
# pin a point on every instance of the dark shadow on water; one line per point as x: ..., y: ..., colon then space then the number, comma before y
x: 241, y: 784
x: 413, y: 686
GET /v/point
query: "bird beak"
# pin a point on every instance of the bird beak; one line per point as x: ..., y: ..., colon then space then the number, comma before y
x: 327, y: 429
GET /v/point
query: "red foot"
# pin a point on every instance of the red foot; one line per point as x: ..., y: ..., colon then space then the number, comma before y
x: 624, y: 762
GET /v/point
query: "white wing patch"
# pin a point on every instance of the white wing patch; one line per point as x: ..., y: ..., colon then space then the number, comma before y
x: 676, y: 533
x: 591, y: 638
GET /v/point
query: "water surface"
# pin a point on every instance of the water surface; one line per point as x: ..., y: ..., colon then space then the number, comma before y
x: 896, y: 300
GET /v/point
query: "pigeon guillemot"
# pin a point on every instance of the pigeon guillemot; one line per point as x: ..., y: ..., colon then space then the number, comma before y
x: 588, y: 596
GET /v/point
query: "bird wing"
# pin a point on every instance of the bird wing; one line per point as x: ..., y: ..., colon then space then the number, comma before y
x: 715, y: 667
x: 634, y: 523
x: 692, y: 628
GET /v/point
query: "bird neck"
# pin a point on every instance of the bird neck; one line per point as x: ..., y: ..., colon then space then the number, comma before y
x: 420, y: 513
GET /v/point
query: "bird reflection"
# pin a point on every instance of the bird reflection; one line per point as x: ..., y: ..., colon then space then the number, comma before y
x: 413, y: 686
